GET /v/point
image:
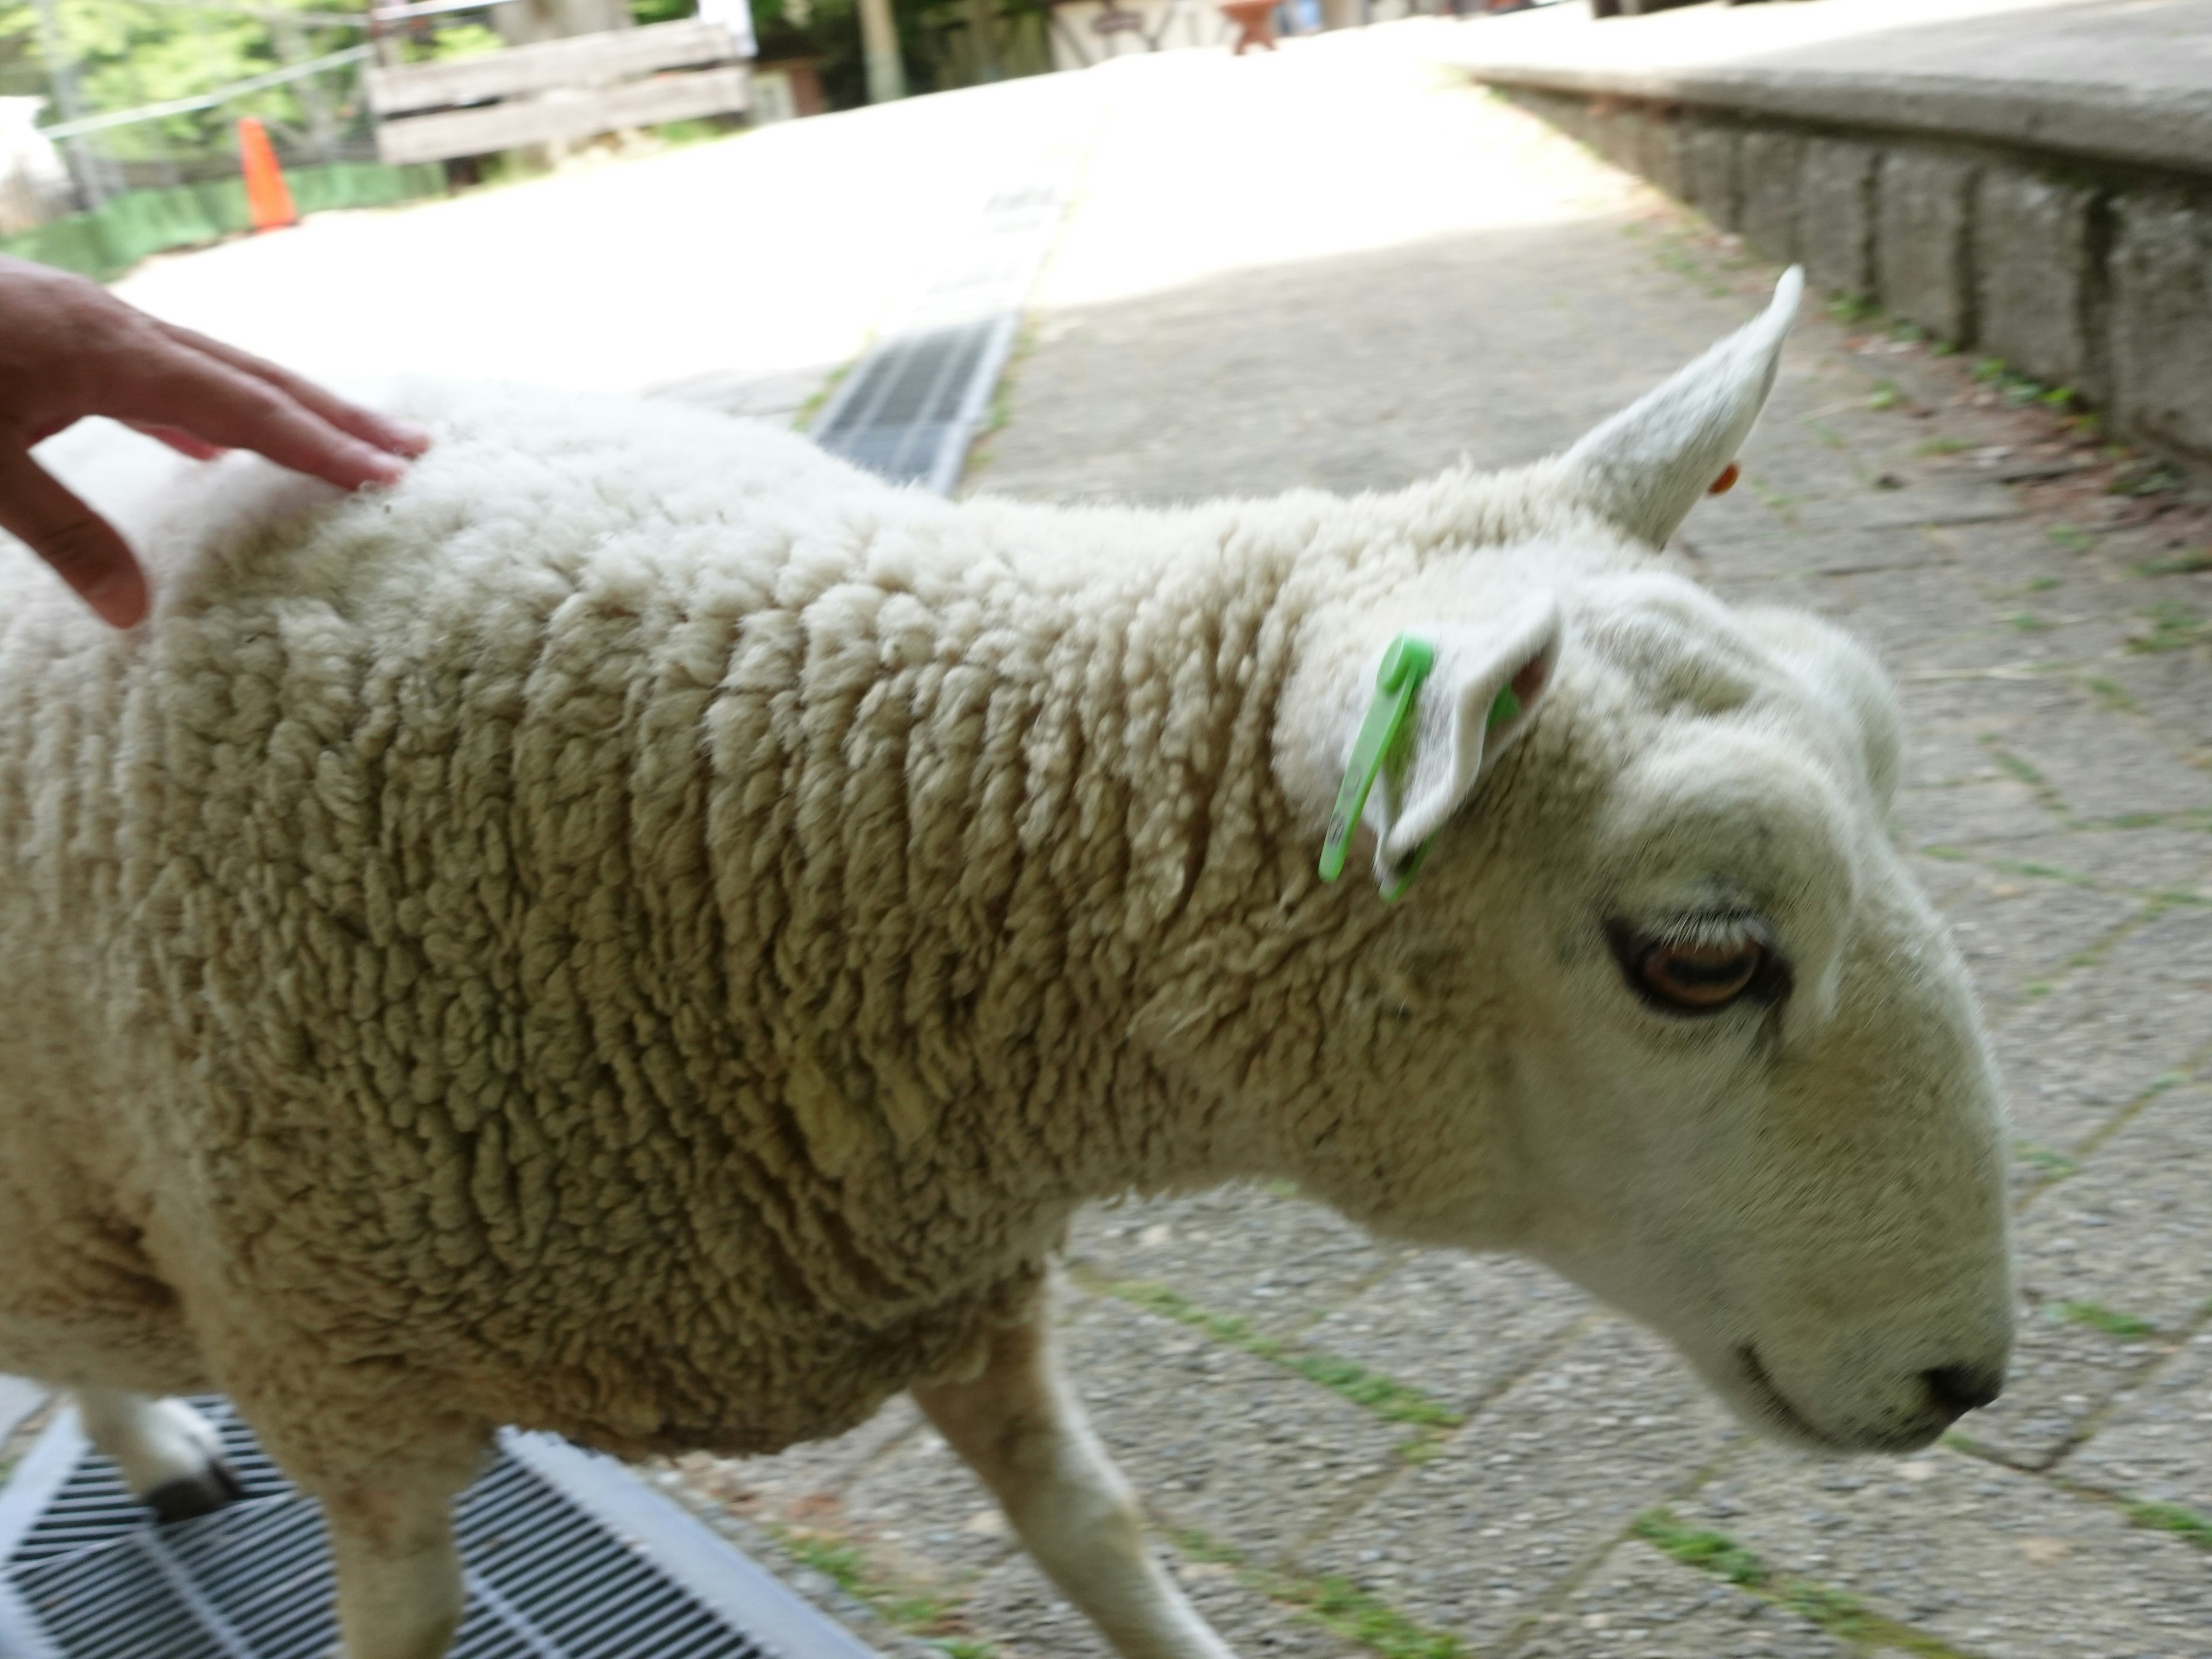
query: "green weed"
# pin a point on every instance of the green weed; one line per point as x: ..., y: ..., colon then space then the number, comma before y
x: 2172, y: 627
x: 1334, y: 1603
x: 2049, y: 1159
x: 1707, y: 1552
x: 936, y: 1618
x: 2183, y: 1523
x: 1835, y: 1611
x: 2099, y: 1317
x: 2112, y: 696
x: 2181, y: 564
x: 1385, y: 1397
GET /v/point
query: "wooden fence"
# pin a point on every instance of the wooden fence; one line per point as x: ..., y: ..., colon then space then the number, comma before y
x: 557, y: 91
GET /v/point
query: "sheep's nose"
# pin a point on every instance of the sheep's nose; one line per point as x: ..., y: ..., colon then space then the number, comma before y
x: 1958, y: 1390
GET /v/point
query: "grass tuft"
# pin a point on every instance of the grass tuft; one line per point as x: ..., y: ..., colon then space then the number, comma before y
x: 936, y: 1619
x: 2048, y: 1159
x: 1387, y: 1398
x: 2099, y: 1317
x: 1707, y: 1552
x: 1336, y: 1604
x: 1835, y: 1611
x: 2172, y: 627
x: 2180, y: 564
x: 2185, y: 1523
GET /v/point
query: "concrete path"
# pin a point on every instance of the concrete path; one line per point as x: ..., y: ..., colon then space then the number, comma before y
x: 1339, y: 266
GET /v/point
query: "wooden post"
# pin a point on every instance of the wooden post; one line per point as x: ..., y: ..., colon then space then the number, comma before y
x: 983, y: 24
x: 879, y: 46
x: 61, y: 70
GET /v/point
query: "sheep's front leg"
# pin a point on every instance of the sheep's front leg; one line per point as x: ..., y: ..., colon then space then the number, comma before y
x: 168, y: 1453
x: 1022, y: 1429
x: 399, y: 1572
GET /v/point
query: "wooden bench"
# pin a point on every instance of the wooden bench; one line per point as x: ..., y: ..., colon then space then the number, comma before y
x: 557, y: 91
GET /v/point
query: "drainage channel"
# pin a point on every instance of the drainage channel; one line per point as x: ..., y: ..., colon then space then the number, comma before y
x: 908, y: 409
x: 567, y: 1557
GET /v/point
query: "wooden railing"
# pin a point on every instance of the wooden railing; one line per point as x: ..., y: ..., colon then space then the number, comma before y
x: 557, y: 91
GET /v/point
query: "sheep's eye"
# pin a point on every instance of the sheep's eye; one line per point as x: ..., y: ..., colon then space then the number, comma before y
x: 1699, y: 979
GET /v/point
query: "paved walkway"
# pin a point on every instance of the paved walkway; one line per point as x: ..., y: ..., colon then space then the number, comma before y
x: 1338, y: 266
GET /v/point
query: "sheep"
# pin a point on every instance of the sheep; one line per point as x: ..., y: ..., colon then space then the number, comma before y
x: 643, y: 932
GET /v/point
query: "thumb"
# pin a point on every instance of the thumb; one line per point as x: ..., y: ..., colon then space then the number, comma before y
x: 69, y: 536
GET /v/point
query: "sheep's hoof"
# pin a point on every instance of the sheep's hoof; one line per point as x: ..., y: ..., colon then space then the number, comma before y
x: 196, y: 1495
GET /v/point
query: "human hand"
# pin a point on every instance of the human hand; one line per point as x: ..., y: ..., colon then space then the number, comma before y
x: 70, y: 349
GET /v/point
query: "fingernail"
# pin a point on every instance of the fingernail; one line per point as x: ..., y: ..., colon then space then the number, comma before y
x: 118, y: 598
x: 381, y: 468
x: 407, y: 438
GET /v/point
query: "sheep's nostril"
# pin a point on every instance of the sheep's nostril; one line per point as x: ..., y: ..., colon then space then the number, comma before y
x: 1961, y: 1389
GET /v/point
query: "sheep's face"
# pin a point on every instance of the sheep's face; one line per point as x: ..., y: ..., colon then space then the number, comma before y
x: 1732, y: 1048
x: 1663, y: 1006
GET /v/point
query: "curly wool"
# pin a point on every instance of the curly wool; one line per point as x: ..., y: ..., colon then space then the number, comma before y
x: 640, y: 930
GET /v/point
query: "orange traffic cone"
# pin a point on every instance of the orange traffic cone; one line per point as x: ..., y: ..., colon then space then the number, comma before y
x: 268, y: 198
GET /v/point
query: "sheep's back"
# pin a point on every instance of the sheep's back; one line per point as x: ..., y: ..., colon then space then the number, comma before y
x: 397, y: 835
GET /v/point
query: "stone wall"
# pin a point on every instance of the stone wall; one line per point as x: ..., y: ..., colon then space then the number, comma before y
x: 2083, y: 274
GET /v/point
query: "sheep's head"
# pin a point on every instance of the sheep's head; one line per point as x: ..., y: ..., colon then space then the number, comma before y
x: 1663, y: 1006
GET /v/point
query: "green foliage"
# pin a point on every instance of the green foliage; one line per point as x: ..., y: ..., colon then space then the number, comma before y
x: 2048, y: 1159
x: 1334, y: 1603
x: 2181, y: 564
x: 456, y: 40
x: 1709, y: 1552
x: 843, y: 1563
x: 1336, y: 1606
x: 2099, y: 1317
x: 1392, y: 1401
x: 2172, y: 627
x: 2183, y: 1523
x: 1835, y: 1611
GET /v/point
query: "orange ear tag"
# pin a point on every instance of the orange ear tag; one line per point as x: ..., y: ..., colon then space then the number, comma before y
x: 1726, y: 482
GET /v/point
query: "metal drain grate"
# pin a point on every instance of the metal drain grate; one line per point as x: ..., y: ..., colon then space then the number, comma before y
x: 567, y: 1557
x: 904, y: 418
x: 909, y: 408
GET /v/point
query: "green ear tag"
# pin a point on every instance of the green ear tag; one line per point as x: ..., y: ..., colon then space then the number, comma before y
x: 1405, y: 666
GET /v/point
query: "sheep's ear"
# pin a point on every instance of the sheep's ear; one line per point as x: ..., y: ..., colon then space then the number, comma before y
x: 1459, y: 725
x: 1644, y: 469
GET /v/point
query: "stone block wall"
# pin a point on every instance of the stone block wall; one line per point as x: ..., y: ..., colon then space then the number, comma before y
x: 2097, y: 277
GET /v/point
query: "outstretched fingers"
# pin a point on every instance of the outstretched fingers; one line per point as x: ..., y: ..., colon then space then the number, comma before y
x: 378, y: 431
x: 231, y: 409
x: 83, y: 547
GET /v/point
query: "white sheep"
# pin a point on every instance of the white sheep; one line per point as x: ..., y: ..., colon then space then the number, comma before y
x: 643, y: 932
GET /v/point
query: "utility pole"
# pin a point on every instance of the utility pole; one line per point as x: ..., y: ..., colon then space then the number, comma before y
x: 879, y: 47
x: 61, y: 70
